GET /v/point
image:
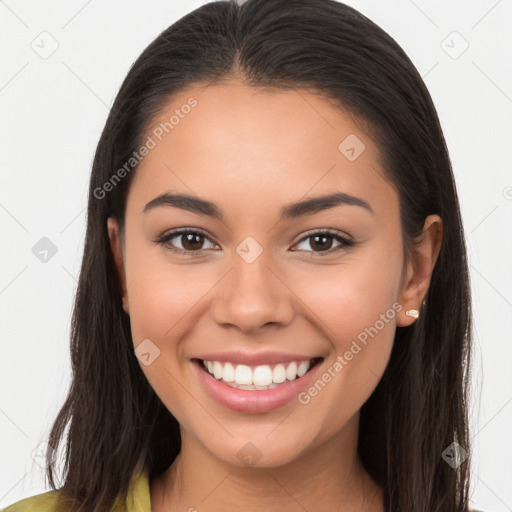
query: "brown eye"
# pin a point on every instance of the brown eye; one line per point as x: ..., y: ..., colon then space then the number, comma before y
x: 322, y: 241
x: 189, y: 239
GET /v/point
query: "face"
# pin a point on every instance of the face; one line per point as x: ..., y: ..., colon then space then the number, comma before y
x: 258, y: 285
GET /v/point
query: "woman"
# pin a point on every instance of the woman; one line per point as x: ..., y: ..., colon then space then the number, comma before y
x: 273, y: 309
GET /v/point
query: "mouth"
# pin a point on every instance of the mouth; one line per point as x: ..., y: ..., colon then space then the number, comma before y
x: 257, y: 378
x: 253, y: 389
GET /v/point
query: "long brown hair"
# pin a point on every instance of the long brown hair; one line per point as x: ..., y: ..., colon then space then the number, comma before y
x: 116, y: 422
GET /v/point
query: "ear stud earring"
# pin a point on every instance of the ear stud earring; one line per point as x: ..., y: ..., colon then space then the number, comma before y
x: 414, y: 313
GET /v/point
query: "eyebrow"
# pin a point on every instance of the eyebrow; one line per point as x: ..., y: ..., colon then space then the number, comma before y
x: 291, y: 211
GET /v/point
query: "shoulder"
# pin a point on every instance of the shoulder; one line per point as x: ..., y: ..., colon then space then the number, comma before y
x: 138, y: 500
x: 45, y: 502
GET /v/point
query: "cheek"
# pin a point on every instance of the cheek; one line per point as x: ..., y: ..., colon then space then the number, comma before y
x: 163, y: 299
x: 346, y: 299
x: 161, y: 294
x: 355, y: 307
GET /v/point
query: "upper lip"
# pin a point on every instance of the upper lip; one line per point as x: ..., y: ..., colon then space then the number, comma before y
x: 254, y: 359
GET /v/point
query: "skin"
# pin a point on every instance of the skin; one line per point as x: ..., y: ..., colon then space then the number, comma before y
x: 252, y: 152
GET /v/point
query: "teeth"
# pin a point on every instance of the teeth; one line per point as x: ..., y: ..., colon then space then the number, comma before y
x: 228, y: 373
x: 279, y: 374
x: 303, y: 368
x: 291, y: 371
x: 252, y: 387
x: 217, y: 370
x: 243, y: 375
x: 262, y: 376
x: 256, y: 378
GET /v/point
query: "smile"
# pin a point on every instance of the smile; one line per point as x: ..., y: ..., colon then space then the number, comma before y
x: 250, y: 388
x: 257, y: 378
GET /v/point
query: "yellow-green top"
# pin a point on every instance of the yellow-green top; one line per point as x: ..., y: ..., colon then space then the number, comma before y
x: 138, y: 499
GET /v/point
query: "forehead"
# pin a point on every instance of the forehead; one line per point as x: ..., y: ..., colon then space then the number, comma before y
x: 235, y: 141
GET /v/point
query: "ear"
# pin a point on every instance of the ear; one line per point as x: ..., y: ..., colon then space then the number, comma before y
x: 419, y: 267
x: 116, y: 244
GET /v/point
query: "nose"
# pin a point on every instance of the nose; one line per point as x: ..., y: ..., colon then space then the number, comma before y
x: 251, y: 296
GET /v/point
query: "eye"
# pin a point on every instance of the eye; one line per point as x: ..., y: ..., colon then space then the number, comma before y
x: 323, y: 240
x: 191, y: 240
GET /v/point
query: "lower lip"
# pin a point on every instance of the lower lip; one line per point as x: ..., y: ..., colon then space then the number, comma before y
x: 250, y: 401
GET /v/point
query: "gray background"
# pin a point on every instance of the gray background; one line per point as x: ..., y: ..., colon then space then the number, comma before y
x: 53, y: 108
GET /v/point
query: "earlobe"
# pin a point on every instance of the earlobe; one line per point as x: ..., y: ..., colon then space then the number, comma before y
x: 420, y: 265
x: 116, y: 246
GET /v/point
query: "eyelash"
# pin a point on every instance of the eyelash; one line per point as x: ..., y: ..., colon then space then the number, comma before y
x: 164, y: 240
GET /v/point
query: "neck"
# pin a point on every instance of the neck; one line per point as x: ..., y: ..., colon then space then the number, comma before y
x: 329, y: 477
